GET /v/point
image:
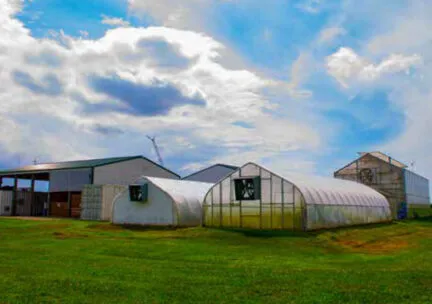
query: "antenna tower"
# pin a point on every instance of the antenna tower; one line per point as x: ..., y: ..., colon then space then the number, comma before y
x: 155, y: 146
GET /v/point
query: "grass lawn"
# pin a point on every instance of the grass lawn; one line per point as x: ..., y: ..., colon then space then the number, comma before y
x: 67, y: 261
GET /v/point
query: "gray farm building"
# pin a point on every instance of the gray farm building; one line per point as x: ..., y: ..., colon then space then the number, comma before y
x: 67, y: 181
x: 403, y: 188
x: 211, y: 174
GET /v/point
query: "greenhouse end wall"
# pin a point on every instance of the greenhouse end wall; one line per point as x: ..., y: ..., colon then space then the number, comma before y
x: 298, y: 203
x: 280, y: 205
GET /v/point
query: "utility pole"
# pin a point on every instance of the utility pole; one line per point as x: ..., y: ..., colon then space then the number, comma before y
x: 155, y: 146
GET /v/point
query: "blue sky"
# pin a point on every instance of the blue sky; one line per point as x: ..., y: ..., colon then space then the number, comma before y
x: 302, y: 85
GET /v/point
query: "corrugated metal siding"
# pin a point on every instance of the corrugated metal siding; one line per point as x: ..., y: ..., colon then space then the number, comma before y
x: 69, y: 180
x: 125, y: 173
x: 211, y: 175
x: 23, y: 200
x: 68, y: 165
x: 416, y: 188
x: 24, y: 203
x: 5, y: 202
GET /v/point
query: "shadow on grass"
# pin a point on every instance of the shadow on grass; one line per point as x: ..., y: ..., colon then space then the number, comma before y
x: 422, y: 219
x: 371, y: 226
x: 266, y: 233
x: 300, y: 234
x: 148, y: 227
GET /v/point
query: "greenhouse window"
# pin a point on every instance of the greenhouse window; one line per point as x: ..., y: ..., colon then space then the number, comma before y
x: 138, y: 193
x: 248, y: 189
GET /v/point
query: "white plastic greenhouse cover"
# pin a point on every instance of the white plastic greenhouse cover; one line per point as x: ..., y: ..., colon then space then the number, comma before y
x: 318, y: 190
x: 188, y: 197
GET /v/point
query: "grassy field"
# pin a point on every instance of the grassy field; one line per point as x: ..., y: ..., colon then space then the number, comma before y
x: 66, y: 261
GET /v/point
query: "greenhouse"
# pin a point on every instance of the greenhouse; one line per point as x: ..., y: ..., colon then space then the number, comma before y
x: 255, y: 197
x: 161, y: 202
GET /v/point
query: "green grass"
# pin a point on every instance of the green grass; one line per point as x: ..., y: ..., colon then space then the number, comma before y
x: 66, y: 261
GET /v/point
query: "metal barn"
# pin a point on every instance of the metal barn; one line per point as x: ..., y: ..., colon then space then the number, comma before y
x: 211, y: 174
x: 67, y: 180
x: 255, y: 197
x: 403, y: 188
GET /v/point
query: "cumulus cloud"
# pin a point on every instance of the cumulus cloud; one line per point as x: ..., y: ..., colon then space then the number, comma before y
x: 75, y: 98
x: 346, y: 66
x: 141, y: 99
x: 49, y: 84
x: 175, y: 13
x: 113, y: 21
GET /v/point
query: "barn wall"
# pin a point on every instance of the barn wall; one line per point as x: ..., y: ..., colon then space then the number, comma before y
x: 387, y: 179
x: 211, y: 175
x: 127, y: 172
x: 69, y: 180
x: 417, y: 189
x: 158, y: 210
x: 5, y: 203
x: 24, y: 203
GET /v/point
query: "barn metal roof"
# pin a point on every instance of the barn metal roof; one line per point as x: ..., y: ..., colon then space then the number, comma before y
x: 212, y: 166
x: 68, y: 165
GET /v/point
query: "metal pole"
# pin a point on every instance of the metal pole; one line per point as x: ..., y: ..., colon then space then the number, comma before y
x: 69, y: 204
x: 357, y: 171
x: 240, y: 205
x: 260, y: 202
x: 14, y: 196
x: 220, y: 205
x: 283, y: 204
x: 32, y: 195
x: 230, y: 199
x: 293, y: 215
x: 271, y: 200
x: 212, y: 216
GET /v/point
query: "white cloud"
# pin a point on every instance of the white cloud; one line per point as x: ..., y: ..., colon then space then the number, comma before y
x: 347, y: 66
x: 175, y: 13
x: 329, y: 34
x: 53, y: 97
x: 114, y: 21
x: 299, y: 71
x: 84, y: 34
x: 311, y: 6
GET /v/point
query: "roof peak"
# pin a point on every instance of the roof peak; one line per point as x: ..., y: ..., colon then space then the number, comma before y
x: 88, y: 160
x: 384, y: 157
